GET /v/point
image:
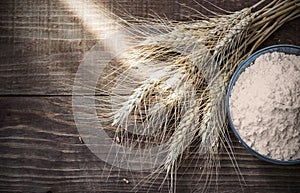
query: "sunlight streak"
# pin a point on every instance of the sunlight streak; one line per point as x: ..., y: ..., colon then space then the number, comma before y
x: 95, y: 18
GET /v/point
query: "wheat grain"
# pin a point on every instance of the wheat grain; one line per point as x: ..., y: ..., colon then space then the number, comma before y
x: 134, y: 102
x: 182, y: 137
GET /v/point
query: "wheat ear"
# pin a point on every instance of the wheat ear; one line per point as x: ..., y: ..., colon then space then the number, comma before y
x: 214, y: 47
x: 182, y: 137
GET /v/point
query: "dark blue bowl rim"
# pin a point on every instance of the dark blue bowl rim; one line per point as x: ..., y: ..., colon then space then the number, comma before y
x: 246, y: 63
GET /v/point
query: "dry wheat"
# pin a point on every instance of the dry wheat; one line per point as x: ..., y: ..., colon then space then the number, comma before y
x: 198, y: 58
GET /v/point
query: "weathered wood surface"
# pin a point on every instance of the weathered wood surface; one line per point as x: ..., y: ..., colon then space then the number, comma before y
x: 41, y: 151
x: 41, y: 46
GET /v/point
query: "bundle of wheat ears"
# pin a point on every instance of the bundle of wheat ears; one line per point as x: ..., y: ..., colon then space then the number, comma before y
x: 170, y: 88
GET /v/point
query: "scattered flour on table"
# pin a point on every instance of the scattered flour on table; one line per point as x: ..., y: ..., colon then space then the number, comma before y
x: 265, y: 106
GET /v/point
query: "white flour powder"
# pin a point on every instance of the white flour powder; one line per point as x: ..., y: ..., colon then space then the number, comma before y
x: 265, y: 106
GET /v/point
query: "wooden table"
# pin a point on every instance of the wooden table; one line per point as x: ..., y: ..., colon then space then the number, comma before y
x: 42, y: 44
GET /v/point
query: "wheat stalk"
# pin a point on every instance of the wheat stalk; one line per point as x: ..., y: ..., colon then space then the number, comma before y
x: 205, y: 54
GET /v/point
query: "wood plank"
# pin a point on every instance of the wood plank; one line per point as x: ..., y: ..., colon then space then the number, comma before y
x: 40, y: 151
x: 42, y: 44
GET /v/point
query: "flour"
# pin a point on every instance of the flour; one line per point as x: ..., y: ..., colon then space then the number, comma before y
x: 265, y: 106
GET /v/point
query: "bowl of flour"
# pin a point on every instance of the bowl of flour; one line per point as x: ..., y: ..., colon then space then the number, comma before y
x: 263, y: 104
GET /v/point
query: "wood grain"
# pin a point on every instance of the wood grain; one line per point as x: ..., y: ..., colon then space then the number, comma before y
x: 42, y: 44
x: 41, y: 151
x: 35, y: 64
